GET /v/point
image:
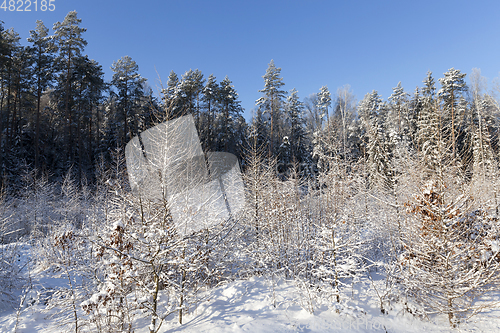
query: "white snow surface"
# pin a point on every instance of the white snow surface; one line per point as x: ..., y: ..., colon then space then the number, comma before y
x: 248, y: 306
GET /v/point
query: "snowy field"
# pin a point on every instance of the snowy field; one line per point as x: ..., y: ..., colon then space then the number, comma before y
x: 249, y: 306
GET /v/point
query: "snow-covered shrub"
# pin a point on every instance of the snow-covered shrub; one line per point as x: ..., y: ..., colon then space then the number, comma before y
x: 450, y: 255
x: 67, y: 253
x: 147, y: 266
x: 9, y: 252
x: 36, y: 204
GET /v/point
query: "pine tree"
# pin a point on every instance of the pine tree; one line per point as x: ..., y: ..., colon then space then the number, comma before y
x: 18, y: 99
x: 210, y: 97
x: 70, y: 45
x: 230, y: 110
x: 190, y: 88
x: 89, y: 92
x: 129, y: 84
x: 42, y: 52
x: 272, y: 103
x: 452, y: 86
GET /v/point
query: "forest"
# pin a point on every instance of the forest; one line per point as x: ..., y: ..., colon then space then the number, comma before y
x: 398, y: 196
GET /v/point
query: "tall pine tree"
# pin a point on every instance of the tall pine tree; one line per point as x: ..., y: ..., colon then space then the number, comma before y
x: 70, y: 45
x: 42, y: 52
x: 271, y: 103
x: 129, y: 85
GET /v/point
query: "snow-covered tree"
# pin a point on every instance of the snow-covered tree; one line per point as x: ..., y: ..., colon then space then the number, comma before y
x: 271, y: 104
x: 429, y: 127
x: 129, y: 84
x: 372, y: 113
x: 43, y: 56
x: 296, y: 137
x: 209, y: 98
x: 452, y: 87
x: 344, y: 120
x: 70, y: 45
x: 398, y: 113
x: 230, y: 111
x: 190, y: 88
x: 171, y: 98
x: 324, y: 102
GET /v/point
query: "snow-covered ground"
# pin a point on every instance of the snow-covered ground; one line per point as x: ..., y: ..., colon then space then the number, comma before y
x: 249, y: 306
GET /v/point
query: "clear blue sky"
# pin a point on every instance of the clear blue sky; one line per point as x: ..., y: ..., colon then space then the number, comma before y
x: 369, y: 44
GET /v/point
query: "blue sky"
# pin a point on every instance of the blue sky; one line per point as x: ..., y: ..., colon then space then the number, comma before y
x: 368, y: 44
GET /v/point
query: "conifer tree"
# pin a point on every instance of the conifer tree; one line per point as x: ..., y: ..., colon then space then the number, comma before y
x: 70, y: 45
x: 42, y: 52
x: 297, y: 135
x: 257, y: 132
x: 89, y: 91
x: 190, y: 88
x: 452, y: 86
x: 343, y: 118
x: 414, y: 108
x: 372, y: 112
x: 429, y: 89
x: 210, y: 97
x: 450, y: 248
x: 230, y: 110
x: 399, y: 111
x: 484, y: 165
x: 324, y: 102
x: 171, y: 97
x: 129, y: 84
x: 18, y: 100
x: 272, y: 103
x: 429, y: 124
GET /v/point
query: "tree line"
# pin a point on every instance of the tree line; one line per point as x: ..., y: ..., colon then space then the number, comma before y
x: 57, y: 113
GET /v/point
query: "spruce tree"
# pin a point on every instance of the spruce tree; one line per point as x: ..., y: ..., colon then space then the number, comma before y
x: 297, y: 136
x: 324, y: 102
x: 372, y: 112
x: 484, y: 165
x: 171, y: 97
x: 429, y: 127
x: 399, y: 111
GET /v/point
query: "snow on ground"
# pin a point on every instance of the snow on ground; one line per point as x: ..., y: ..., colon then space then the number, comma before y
x: 248, y: 306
